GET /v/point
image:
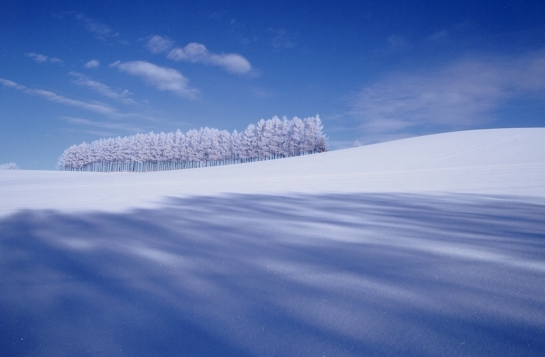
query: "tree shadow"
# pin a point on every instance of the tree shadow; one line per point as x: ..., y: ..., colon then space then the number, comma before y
x: 259, y: 275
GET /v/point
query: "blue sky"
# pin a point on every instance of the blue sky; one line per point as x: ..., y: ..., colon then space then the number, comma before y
x: 374, y: 71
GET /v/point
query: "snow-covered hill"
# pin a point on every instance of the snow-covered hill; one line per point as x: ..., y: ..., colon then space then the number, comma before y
x: 429, y: 246
x: 500, y: 162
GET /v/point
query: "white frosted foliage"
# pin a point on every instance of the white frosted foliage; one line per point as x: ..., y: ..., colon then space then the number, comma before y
x: 269, y: 139
x: 10, y: 166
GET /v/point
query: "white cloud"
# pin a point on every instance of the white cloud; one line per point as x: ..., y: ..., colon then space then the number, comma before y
x: 397, y: 42
x: 92, y: 64
x: 39, y: 58
x: 440, y: 35
x: 162, y: 78
x: 193, y: 52
x: 460, y: 95
x: 103, y: 125
x: 282, y: 39
x: 262, y: 93
x: 103, y: 89
x: 198, y: 53
x: 99, y: 30
x: 11, y: 84
x: 158, y: 44
x: 53, y: 97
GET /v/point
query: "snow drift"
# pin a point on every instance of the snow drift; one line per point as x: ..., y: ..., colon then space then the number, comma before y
x: 430, y: 246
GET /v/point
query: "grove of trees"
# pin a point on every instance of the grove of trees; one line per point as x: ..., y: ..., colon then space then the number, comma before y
x: 268, y: 139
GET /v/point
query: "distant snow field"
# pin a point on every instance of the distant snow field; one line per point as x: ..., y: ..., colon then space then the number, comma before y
x: 498, y: 162
x: 428, y: 246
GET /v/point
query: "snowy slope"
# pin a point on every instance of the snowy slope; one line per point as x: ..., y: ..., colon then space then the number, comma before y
x: 501, y: 162
x: 430, y: 246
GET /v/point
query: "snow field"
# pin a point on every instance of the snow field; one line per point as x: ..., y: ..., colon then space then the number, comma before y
x: 430, y: 246
x: 498, y: 162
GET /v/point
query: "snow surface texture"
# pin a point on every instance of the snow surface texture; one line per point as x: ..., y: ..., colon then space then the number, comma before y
x: 430, y: 246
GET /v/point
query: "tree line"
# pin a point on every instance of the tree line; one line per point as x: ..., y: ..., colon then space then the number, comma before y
x: 268, y: 139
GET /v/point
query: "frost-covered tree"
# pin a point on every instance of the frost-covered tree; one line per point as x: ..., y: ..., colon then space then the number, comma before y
x: 275, y: 137
x: 10, y: 166
x: 314, y: 138
x: 297, y: 135
x: 179, y: 149
x: 261, y: 140
x: 225, y: 147
x: 248, y: 143
x: 192, y: 142
x: 236, y: 146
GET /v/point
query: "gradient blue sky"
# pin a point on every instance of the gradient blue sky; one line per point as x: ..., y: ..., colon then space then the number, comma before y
x: 374, y: 71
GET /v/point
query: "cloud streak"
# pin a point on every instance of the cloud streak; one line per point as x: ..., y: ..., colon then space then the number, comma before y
x: 463, y: 94
x: 56, y: 98
x: 281, y: 40
x: 99, y: 30
x: 103, y: 125
x: 39, y: 58
x: 11, y: 84
x: 83, y: 81
x: 162, y: 78
x: 198, y: 53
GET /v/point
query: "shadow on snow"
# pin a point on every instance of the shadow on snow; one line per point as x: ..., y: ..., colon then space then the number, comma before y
x: 256, y: 275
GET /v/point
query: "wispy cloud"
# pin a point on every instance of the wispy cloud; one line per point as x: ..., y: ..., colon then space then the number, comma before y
x: 114, y: 126
x: 241, y: 32
x: 262, y: 93
x: 282, y: 39
x: 53, y: 97
x: 460, y: 95
x: 11, y: 84
x: 158, y: 44
x: 84, y: 81
x: 39, y: 58
x: 162, y: 78
x: 440, y: 35
x: 98, y: 29
x: 92, y: 64
x: 237, y: 29
x: 397, y: 42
